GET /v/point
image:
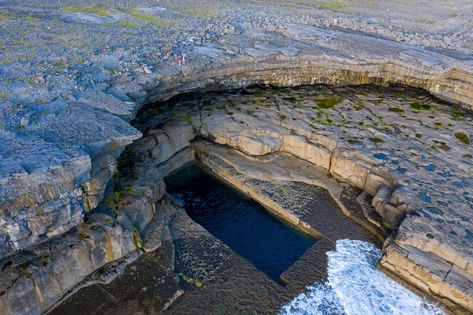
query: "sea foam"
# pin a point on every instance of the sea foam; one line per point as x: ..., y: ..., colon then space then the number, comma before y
x: 355, y: 287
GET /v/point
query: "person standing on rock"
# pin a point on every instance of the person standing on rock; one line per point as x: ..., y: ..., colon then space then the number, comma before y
x: 184, y: 58
x: 179, y: 60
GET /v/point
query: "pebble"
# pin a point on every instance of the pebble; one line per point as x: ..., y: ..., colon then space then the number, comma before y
x: 147, y: 70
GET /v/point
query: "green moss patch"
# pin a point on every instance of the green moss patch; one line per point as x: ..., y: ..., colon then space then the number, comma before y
x: 126, y: 23
x: 443, y: 146
x: 330, y: 4
x: 354, y: 141
x: 396, y: 110
x: 328, y: 102
x: 399, y: 94
x: 463, y: 137
x: 377, y: 140
x: 359, y: 105
x: 325, y: 121
x: 259, y: 93
x: 190, y: 280
x: 3, y: 17
x: 4, y: 95
x: 87, y: 10
x: 147, y: 17
x: 456, y: 114
x: 421, y: 106
x: 200, y: 13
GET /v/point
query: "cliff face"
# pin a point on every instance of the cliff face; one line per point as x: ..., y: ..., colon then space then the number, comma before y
x: 56, y: 160
x: 77, y: 144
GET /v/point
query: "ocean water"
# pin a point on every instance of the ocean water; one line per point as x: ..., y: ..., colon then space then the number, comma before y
x: 241, y: 223
x: 355, y: 287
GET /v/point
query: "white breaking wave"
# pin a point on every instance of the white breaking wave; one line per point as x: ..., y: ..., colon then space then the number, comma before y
x: 355, y: 287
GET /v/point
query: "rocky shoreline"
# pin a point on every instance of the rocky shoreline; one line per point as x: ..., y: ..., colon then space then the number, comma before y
x: 59, y: 156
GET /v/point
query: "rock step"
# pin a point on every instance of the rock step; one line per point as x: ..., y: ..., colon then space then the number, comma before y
x: 302, y: 273
x: 433, y: 274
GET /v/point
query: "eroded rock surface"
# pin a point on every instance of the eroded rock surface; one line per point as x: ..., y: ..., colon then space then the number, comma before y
x: 63, y: 123
x: 401, y: 148
x: 294, y: 55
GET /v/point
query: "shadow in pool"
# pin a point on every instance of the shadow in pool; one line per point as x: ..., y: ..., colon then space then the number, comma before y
x: 240, y: 223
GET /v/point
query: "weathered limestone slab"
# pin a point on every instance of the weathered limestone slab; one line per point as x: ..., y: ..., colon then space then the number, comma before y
x: 32, y: 285
x: 171, y: 139
x: 311, y: 152
x: 432, y: 274
x: 59, y: 176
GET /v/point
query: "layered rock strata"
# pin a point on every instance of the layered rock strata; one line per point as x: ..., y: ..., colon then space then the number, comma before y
x: 58, y: 160
x: 323, y: 127
x: 82, y: 139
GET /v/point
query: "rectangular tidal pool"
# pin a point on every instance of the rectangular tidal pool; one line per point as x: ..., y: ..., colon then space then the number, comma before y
x: 241, y: 223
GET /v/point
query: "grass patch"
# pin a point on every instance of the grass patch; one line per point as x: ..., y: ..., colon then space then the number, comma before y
x: 463, y: 137
x: 333, y: 5
x: 81, y: 236
x: 259, y: 93
x: 438, y: 124
x: 443, y: 146
x: 190, y: 280
x: 377, y: 140
x: 328, y: 102
x: 282, y: 118
x: 3, y: 17
x: 354, y: 141
x: 399, y: 94
x: 4, y: 95
x: 325, y: 121
x: 330, y: 4
x: 231, y: 103
x: 359, y: 105
x: 147, y: 17
x: 378, y: 101
x: 136, y: 238
x: 456, y: 114
x: 87, y: 10
x: 26, y: 43
x: 201, y: 13
x: 126, y: 23
x: 396, y: 110
x: 421, y: 106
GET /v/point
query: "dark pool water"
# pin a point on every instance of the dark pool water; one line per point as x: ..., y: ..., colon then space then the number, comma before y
x: 240, y: 223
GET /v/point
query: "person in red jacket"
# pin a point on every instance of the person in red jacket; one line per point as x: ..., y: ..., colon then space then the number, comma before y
x: 179, y: 60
